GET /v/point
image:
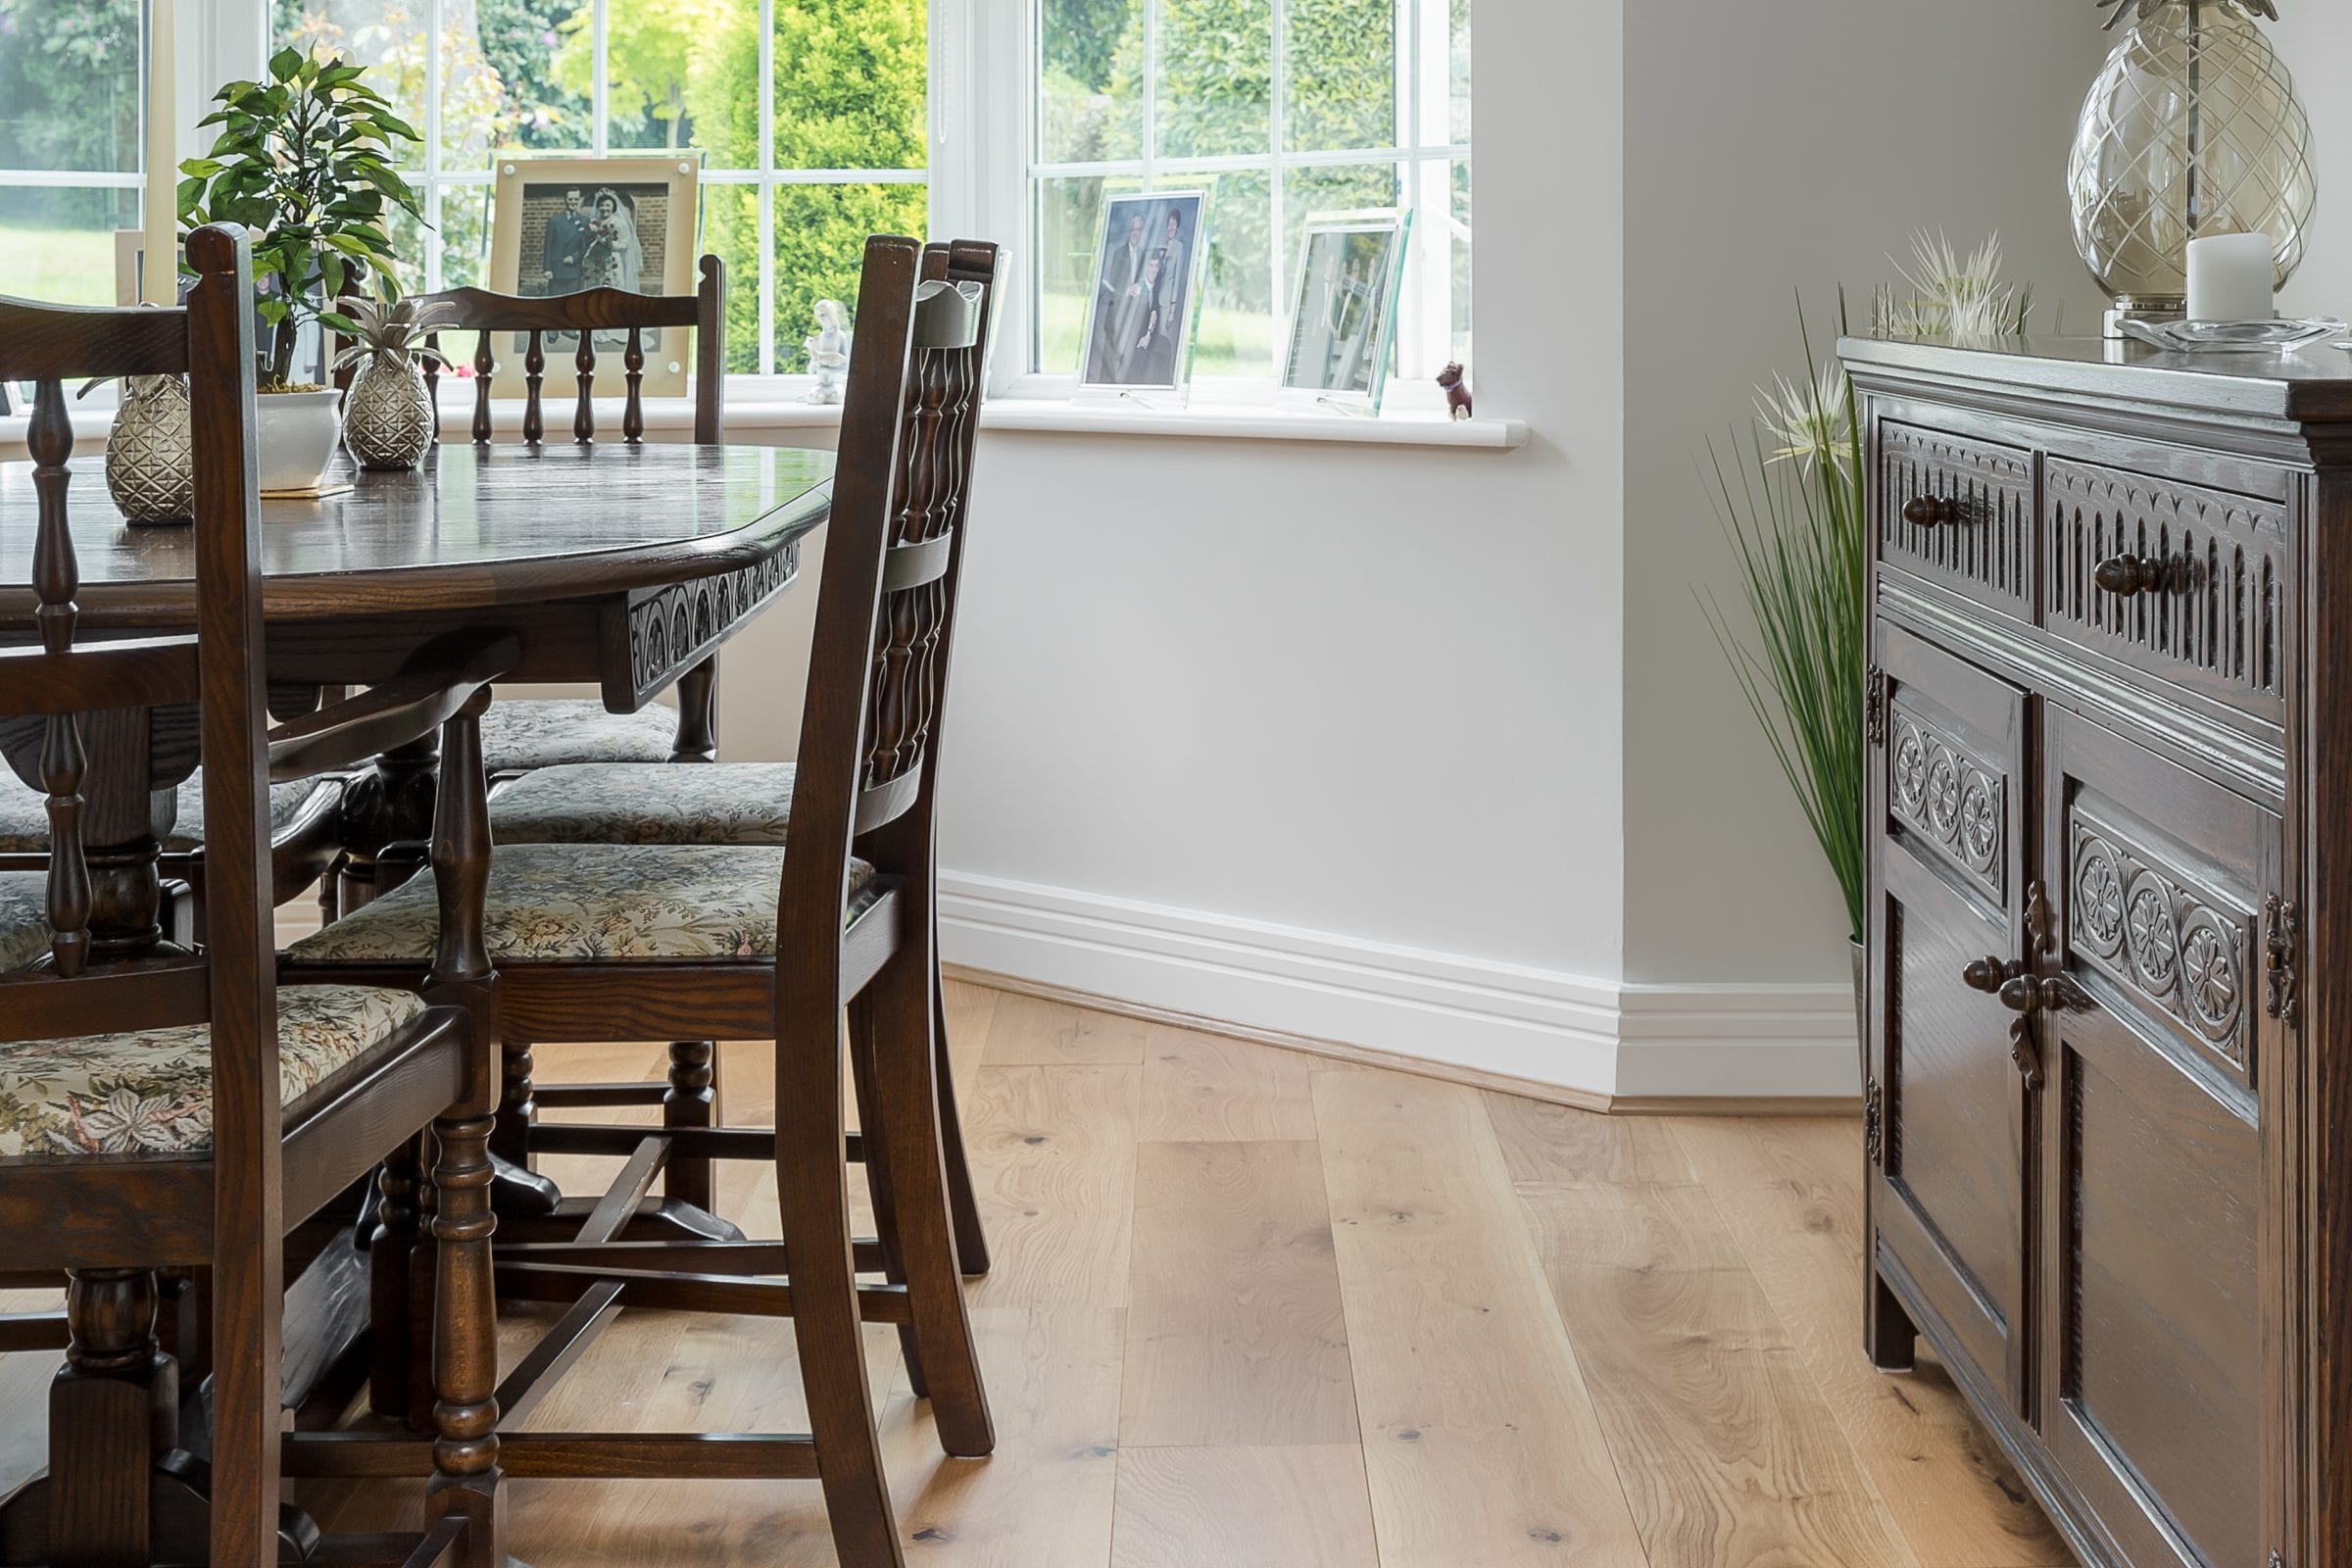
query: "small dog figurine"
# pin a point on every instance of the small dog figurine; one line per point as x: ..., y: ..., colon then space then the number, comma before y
x: 1458, y: 394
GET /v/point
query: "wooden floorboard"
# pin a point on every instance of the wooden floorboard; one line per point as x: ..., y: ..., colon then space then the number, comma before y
x: 1728, y: 1453
x: 1254, y: 1308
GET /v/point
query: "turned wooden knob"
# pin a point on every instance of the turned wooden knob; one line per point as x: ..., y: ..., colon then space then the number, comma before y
x: 1930, y: 512
x: 2128, y: 574
x: 1986, y: 974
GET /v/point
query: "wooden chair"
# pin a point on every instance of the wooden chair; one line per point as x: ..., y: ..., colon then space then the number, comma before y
x: 181, y: 1110
x: 738, y: 803
x: 518, y: 736
x: 638, y: 942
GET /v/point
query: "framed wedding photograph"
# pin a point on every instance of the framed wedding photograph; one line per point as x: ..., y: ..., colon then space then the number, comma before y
x: 1146, y: 296
x: 563, y: 224
x: 1343, y: 320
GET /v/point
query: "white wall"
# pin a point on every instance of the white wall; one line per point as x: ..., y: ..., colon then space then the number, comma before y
x: 1786, y: 147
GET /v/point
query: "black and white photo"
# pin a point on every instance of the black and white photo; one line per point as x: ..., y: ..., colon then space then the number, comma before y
x: 1350, y: 266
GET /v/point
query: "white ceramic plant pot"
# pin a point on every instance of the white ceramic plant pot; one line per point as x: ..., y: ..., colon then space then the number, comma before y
x: 297, y: 433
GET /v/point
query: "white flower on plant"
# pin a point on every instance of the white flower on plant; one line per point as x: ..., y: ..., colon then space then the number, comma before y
x: 1955, y: 296
x: 1808, y: 419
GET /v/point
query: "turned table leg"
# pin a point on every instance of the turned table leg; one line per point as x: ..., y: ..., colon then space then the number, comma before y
x: 113, y: 1411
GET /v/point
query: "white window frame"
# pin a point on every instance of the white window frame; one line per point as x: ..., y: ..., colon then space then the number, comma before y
x: 242, y: 45
x: 1423, y: 99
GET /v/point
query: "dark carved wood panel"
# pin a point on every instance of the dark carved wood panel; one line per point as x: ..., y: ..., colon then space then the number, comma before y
x: 2154, y: 1401
x: 2209, y: 612
x: 1939, y: 790
x: 674, y: 629
x: 2182, y: 952
x: 1979, y: 534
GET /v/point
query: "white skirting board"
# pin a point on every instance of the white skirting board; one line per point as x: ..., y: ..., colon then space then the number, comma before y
x: 1592, y: 1038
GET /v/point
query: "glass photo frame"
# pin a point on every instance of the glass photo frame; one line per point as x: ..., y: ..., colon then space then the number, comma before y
x: 1344, y: 314
x: 1145, y: 298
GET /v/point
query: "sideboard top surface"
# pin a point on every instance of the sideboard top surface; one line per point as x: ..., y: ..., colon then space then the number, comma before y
x: 2311, y: 385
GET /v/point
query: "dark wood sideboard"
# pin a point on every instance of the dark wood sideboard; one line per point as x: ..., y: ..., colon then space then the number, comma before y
x: 2108, y: 1098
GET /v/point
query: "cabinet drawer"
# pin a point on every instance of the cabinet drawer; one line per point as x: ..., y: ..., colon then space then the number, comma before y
x: 2186, y: 583
x: 1958, y: 512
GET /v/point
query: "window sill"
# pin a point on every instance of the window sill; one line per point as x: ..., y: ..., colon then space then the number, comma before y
x: 1028, y: 416
x: 1232, y: 423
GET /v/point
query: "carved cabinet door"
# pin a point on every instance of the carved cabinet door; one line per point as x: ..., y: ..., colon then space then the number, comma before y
x: 1949, y: 869
x: 2155, y: 1030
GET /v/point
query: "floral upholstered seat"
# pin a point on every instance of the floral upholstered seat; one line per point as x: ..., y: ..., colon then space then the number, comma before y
x: 548, y: 732
x: 23, y: 918
x: 24, y: 814
x: 631, y: 803
x: 583, y: 902
x: 151, y: 1091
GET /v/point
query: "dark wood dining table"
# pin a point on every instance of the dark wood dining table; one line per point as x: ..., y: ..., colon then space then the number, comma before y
x: 622, y: 565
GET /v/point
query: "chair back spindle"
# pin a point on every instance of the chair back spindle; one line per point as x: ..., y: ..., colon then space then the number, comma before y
x: 490, y: 316
x: 886, y: 605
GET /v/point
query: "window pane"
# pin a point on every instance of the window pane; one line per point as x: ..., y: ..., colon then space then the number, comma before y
x: 1069, y: 225
x: 387, y: 37
x: 464, y: 236
x: 1236, y: 335
x: 1459, y: 253
x: 1215, y: 93
x: 1090, y: 78
x: 820, y: 248
x: 59, y: 245
x: 70, y: 85
x: 1342, y: 75
x: 1459, y: 71
x: 853, y: 82
x: 511, y: 77
x: 731, y: 232
x: 667, y: 64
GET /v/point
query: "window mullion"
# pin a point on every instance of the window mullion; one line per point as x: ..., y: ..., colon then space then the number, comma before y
x: 434, y: 24
x: 1278, y: 179
x: 1151, y: 87
x: 600, y: 92
x: 767, y: 269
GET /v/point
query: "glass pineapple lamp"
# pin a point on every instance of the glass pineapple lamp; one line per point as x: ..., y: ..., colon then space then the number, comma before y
x: 2191, y: 128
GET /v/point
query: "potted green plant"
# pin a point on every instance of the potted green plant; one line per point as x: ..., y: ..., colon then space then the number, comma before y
x: 304, y: 161
x: 1797, y: 516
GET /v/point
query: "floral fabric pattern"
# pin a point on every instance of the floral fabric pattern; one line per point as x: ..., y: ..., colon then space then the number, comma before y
x: 24, y: 814
x: 151, y: 1091
x: 638, y: 803
x: 579, y: 901
x: 23, y: 918
x: 548, y: 732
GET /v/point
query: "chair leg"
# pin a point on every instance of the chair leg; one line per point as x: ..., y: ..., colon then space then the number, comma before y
x: 865, y: 1073
x: 691, y: 1101
x: 114, y: 1409
x: 423, y: 1280
x: 812, y: 1187
x: 464, y: 1361
x: 511, y: 1141
x: 390, y: 1328
x: 971, y: 1237
x: 907, y: 1092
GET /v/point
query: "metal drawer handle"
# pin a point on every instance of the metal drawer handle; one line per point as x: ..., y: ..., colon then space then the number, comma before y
x: 2125, y: 576
x: 1932, y: 512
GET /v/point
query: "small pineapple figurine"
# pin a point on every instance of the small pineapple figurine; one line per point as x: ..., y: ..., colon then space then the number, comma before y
x: 389, y: 415
x: 150, y: 464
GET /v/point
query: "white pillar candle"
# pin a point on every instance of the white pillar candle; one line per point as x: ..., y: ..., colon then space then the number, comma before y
x: 2230, y: 277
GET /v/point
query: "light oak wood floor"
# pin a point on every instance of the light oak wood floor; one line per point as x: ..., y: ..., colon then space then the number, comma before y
x: 1256, y: 1309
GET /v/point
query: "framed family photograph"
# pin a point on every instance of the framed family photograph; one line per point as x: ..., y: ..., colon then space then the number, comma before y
x: 559, y: 225
x: 1145, y: 298
x: 1350, y: 267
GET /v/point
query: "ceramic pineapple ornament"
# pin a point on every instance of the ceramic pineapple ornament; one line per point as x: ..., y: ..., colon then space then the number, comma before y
x: 2192, y: 128
x: 389, y: 415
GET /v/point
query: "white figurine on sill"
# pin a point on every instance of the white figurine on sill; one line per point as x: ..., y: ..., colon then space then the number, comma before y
x: 828, y: 352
